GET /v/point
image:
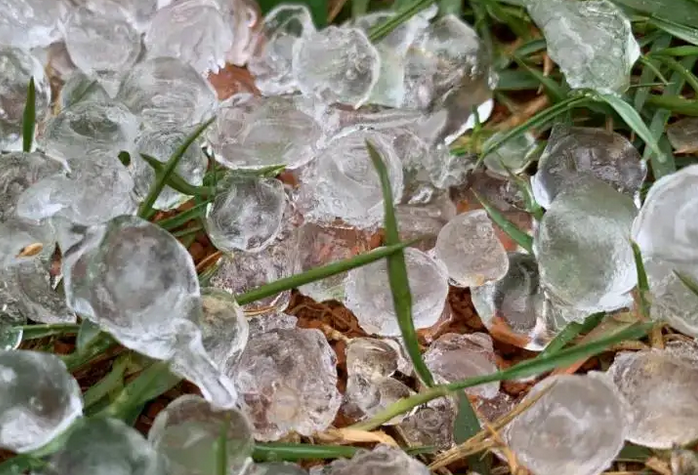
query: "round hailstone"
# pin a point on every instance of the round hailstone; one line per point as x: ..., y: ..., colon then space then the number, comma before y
x: 471, y: 251
x: 224, y: 328
x: 369, y: 296
x: 39, y: 399
x: 382, y: 459
x: 577, y: 427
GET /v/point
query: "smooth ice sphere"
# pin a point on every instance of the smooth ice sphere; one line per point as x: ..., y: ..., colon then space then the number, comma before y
x: 194, y: 31
x: 17, y: 67
x: 453, y: 357
x: 84, y: 128
x: 72, y: 195
x: 583, y: 247
x: 575, y: 428
x: 683, y: 135
x: 247, y: 271
x: 342, y: 182
x: 136, y: 281
x: 39, y: 399
x: 592, y: 42
x: 576, y: 151
x: 38, y: 294
x: 287, y: 380
x: 336, y: 65
x: 162, y: 144
x: 188, y: 431
x: 382, y: 459
x: 255, y: 132
x: 513, y: 156
x: 224, y: 328
x: 471, y: 251
x: 167, y: 93
x: 101, y: 45
x: 81, y: 88
x: 105, y: 446
x: 368, y: 293
x: 271, y: 64
x: 31, y: 23
x: 661, y: 388
x: 246, y: 215
x: 514, y: 309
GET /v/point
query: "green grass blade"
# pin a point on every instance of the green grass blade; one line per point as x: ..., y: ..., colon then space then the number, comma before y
x: 675, y: 104
x: 397, y: 273
x: 275, y: 451
x: 359, y: 8
x: 183, y: 218
x: 516, y: 80
x: 175, y: 181
x: 634, y: 453
x: 555, y: 91
x: 648, y: 74
x: 403, y: 14
x: 643, y: 287
x: 680, y: 51
x: 686, y: 33
x: 146, y: 209
x: 681, y: 11
x: 688, y: 282
x: 29, y: 117
x: 100, y: 345
x: 466, y: 426
x: 520, y: 237
x: 676, y: 66
x: 319, y: 273
x: 112, y: 381
x: 86, y: 335
x: 34, y: 332
x: 649, y: 63
x: 571, y: 331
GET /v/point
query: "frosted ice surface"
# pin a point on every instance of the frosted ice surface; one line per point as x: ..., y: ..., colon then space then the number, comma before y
x: 271, y: 321
x: 575, y: 151
x: 17, y: 67
x: 244, y: 17
x: 336, y: 65
x: 382, y: 459
x: 39, y: 399
x: 425, y: 219
x: 271, y: 64
x: 224, y: 328
x: 194, y: 31
x: 79, y: 87
x: 431, y: 424
x: 583, y: 248
x: 469, y: 248
x: 167, y: 93
x: 454, y: 357
x: 576, y: 428
x: 187, y: 433
x: 371, y: 358
x: 105, y: 446
x: 88, y: 127
x: 513, y: 155
x: 38, y: 294
x: 277, y: 468
x: 592, y: 42
x: 342, y: 182
x: 368, y: 293
x: 287, y: 383
x: 256, y: 132
x: 683, y: 135
x: 31, y: 23
x: 661, y: 388
x: 162, y: 144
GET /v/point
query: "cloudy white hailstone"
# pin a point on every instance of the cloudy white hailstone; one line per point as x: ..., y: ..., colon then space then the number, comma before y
x: 39, y: 399
x: 592, y: 42
x: 32, y: 23
x: 187, y: 434
x: 17, y: 67
x: 369, y: 296
x: 573, y: 152
x: 194, y: 31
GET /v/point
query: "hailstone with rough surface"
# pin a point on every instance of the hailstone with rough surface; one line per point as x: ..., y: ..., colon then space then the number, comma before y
x: 31, y: 23
x: 383, y: 459
x: 224, y: 328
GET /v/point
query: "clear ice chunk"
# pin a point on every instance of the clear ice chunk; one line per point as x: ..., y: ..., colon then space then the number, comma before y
x: 469, y: 248
x: 84, y: 128
x: 17, y: 67
x: 39, y: 399
x: 431, y: 425
x: 11, y: 317
x: 342, y: 182
x: 383, y: 459
x: 24, y: 240
x: 139, y: 13
x: 277, y: 468
x: 105, y: 446
x: 660, y: 387
x: 81, y: 88
x: 162, y: 144
x: 148, y: 299
x: 583, y: 248
x: 287, y: 380
x: 224, y: 328
x: 425, y: 218
x: 194, y: 31
x: 369, y: 296
x: 683, y: 135
x: 592, y: 42
x: 272, y: 61
x: 453, y: 357
x: 576, y: 151
x: 167, y: 93
x: 31, y: 23
x: 371, y: 358
x: 271, y: 321
x: 39, y: 295
x: 336, y: 65
x: 245, y: 18
x: 513, y: 156
x: 252, y: 132
x: 577, y: 427
x: 187, y: 434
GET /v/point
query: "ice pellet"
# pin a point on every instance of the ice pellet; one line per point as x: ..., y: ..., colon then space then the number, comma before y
x: 224, y: 328
x: 382, y: 459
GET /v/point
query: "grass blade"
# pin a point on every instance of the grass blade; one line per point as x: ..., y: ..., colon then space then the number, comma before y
x: 686, y: 33
x: 146, y: 209
x: 648, y: 73
x: 112, y: 381
x: 643, y: 287
x: 86, y: 335
x: 676, y: 66
x: 688, y: 282
x: 29, y: 117
x: 175, y: 181
x: 34, y: 332
x: 466, y: 426
x: 520, y: 237
x: 675, y: 104
x: 555, y: 91
x: 397, y: 273
x: 318, y: 273
x: 570, y: 332
x: 382, y: 30
x: 182, y: 218
x: 681, y: 11
x: 275, y: 451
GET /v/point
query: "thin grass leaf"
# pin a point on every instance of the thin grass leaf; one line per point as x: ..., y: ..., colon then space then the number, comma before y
x: 420, y: 450
x: 686, y: 33
x: 555, y: 91
x: 648, y: 74
x: 86, y: 335
x: 112, y: 381
x: 21, y: 464
x: 643, y: 286
x: 516, y: 80
x: 571, y: 331
x: 175, y: 181
x: 450, y: 7
x: 676, y: 66
x: 359, y: 8
x: 653, y: 67
x: 146, y: 209
x: 634, y: 453
x: 97, y: 347
x: 515, y: 18
x: 33, y: 332
x: 679, y: 51
x: 406, y: 12
x: 687, y: 281
x: 319, y: 273
x: 676, y: 104
x: 183, y: 218
x: 29, y: 117
x: 397, y: 272
x: 466, y: 426
x: 274, y: 451
x: 531, y: 47
x: 520, y: 237
x: 222, y: 448
x: 681, y: 11
x: 187, y: 232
